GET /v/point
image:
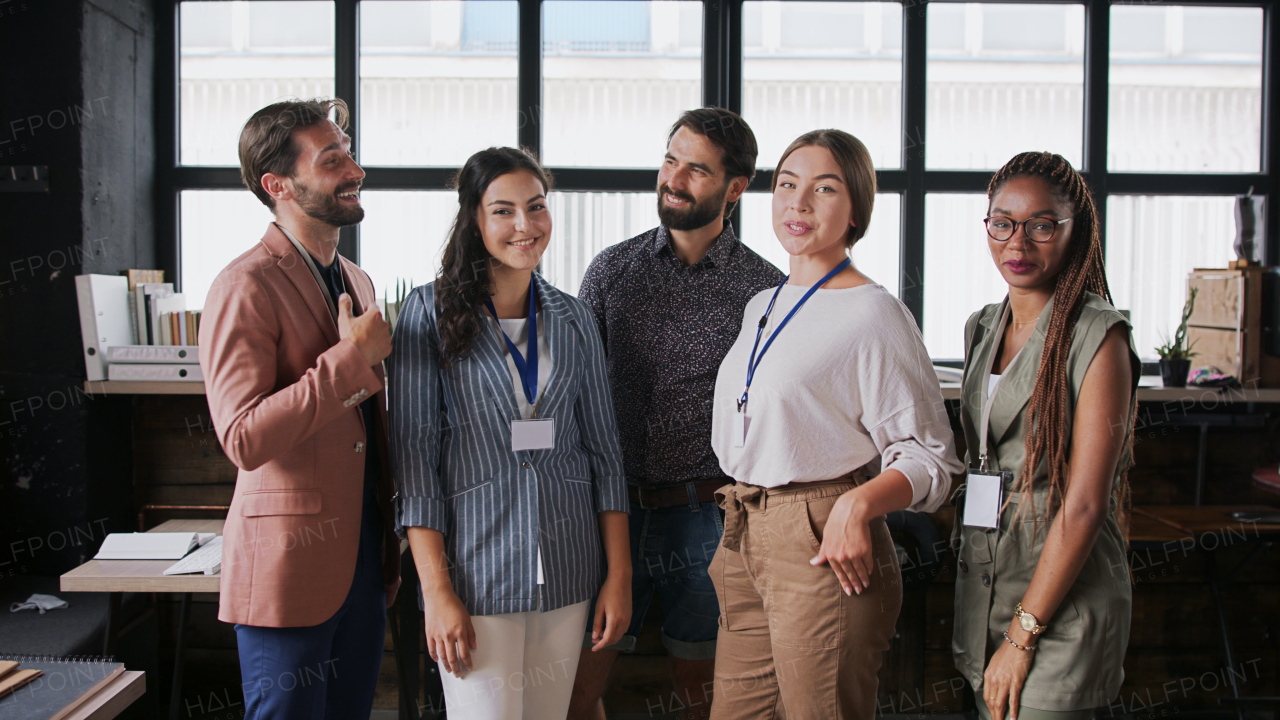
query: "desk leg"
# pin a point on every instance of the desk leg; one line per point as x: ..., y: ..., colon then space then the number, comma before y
x: 1215, y: 586
x: 175, y: 692
x: 408, y: 694
x: 1201, y: 454
x: 113, y: 624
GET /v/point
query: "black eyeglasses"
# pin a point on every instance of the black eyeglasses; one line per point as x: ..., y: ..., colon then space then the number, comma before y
x: 1038, y: 229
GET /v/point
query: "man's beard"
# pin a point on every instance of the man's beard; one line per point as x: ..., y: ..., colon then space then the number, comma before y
x: 693, y: 216
x: 327, y: 208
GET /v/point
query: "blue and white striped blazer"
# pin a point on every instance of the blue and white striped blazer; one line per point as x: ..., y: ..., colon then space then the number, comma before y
x: 455, y: 471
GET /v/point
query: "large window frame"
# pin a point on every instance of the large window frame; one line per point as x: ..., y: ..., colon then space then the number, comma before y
x: 722, y: 85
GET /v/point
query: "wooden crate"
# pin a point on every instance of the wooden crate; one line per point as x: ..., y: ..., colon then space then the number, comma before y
x: 1226, y: 325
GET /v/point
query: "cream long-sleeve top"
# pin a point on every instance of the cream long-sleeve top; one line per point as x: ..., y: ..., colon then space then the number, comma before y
x: 847, y: 383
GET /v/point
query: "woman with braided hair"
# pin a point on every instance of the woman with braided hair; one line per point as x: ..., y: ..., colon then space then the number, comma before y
x: 1042, y: 586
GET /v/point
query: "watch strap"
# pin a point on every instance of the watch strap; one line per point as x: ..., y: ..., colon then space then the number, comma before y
x: 1018, y: 612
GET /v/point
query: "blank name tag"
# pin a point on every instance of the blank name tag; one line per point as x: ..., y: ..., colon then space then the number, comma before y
x: 537, y: 434
x: 740, y: 424
x: 982, y: 500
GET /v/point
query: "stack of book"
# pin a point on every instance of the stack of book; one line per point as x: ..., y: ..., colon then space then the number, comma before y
x: 135, y: 327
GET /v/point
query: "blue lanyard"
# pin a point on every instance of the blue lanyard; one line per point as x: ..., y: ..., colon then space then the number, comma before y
x: 528, y: 369
x: 754, y: 361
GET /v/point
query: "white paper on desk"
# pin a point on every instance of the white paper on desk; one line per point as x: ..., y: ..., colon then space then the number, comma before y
x: 146, y: 546
x: 204, y: 538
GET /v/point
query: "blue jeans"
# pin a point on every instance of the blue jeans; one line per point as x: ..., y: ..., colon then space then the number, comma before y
x: 670, y: 551
x: 328, y: 671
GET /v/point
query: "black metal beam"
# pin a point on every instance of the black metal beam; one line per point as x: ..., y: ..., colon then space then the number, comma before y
x: 529, y: 83
x: 1271, y: 128
x: 1170, y: 184
x: 1097, y: 63
x: 408, y: 178
x: 915, y: 37
x: 168, y: 249
x: 732, y: 56
x: 628, y: 179
x: 713, y: 22
x: 346, y: 77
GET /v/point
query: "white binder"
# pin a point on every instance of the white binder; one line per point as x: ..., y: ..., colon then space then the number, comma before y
x: 104, y: 319
x: 176, y: 354
x: 155, y: 372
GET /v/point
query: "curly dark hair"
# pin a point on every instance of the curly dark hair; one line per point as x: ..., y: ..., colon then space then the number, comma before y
x: 463, y: 283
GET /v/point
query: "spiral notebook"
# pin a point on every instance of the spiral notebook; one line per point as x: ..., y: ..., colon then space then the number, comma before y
x: 63, y: 684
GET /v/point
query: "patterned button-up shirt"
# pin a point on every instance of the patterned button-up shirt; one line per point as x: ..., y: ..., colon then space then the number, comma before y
x: 666, y: 327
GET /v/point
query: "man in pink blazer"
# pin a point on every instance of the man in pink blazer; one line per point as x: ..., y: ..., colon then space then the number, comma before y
x: 292, y: 345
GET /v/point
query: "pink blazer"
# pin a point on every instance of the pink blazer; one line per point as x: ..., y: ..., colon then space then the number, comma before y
x: 284, y: 394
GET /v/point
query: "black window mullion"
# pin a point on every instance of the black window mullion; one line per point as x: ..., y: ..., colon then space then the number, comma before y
x: 1155, y: 183
x: 167, y: 239
x: 346, y: 61
x: 722, y: 65
x: 1097, y: 63
x: 1271, y: 127
x: 914, y: 98
x: 529, y: 83
x: 713, y: 42
x: 722, y: 54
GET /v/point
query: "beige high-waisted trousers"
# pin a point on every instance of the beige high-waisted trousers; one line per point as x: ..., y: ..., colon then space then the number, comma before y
x: 791, y: 643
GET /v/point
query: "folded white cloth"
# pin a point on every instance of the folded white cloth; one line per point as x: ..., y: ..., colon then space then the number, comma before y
x: 39, y: 602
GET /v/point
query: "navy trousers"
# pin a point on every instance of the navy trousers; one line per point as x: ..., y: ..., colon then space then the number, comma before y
x: 329, y: 671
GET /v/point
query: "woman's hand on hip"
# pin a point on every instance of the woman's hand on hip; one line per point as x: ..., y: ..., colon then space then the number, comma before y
x: 450, y: 634
x: 613, y: 612
x: 847, y: 546
x: 1002, y: 682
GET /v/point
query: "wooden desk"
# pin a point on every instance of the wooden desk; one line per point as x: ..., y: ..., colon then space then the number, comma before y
x: 121, y: 576
x: 1146, y: 529
x: 1208, y: 529
x: 1196, y: 521
x: 143, y: 575
x: 111, y: 700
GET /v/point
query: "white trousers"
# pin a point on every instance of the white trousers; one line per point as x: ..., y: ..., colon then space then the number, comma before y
x: 522, y: 667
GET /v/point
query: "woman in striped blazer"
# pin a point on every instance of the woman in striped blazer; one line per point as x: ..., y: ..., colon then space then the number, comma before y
x: 508, y: 469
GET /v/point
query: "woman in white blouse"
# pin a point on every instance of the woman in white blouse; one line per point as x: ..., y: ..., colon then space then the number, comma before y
x: 828, y: 415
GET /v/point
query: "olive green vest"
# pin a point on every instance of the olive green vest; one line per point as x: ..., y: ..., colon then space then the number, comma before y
x: 1079, y: 663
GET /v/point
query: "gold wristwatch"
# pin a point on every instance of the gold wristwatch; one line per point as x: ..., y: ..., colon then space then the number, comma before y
x: 1028, y: 621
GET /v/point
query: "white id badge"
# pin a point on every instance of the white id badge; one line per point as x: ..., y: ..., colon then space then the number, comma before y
x: 739, y: 431
x: 982, y: 499
x: 539, y: 434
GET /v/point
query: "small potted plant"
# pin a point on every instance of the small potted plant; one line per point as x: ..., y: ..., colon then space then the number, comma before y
x: 1175, y: 354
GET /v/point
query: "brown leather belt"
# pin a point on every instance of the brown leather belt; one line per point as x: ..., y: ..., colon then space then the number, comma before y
x: 654, y: 498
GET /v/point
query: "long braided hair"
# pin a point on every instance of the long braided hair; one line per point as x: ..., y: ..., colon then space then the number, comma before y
x: 1082, y: 271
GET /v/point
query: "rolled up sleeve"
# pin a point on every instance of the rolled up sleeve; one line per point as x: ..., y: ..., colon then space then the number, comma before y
x: 415, y: 418
x: 921, y: 446
x: 599, y: 427
x: 904, y: 412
